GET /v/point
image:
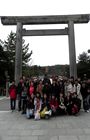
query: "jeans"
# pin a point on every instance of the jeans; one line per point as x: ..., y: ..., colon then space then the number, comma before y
x: 13, y: 104
x: 88, y: 101
x: 29, y: 113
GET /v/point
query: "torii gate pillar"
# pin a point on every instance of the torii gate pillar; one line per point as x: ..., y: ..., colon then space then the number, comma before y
x: 18, y: 53
x: 72, y: 52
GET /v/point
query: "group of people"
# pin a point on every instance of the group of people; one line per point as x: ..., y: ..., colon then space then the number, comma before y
x: 39, y: 98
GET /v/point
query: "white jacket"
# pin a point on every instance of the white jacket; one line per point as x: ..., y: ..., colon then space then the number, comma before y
x: 71, y: 88
x: 77, y: 90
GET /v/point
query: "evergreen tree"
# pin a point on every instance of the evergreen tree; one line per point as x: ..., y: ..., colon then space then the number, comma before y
x: 83, y: 58
x: 10, y: 45
x: 3, y: 65
x: 9, y: 50
x: 83, y: 65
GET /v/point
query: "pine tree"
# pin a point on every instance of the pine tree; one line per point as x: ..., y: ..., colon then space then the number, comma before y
x: 10, y: 45
x: 3, y: 65
x: 83, y: 58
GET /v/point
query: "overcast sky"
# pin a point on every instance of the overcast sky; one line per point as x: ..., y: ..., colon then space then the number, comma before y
x: 48, y: 50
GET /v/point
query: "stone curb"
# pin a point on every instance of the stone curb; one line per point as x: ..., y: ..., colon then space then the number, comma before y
x: 2, y: 98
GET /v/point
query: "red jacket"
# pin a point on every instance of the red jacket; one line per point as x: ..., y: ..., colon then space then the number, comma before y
x: 31, y: 90
x: 54, y: 102
x: 12, y: 92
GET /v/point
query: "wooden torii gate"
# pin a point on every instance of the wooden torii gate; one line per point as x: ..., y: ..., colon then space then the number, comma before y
x: 33, y: 20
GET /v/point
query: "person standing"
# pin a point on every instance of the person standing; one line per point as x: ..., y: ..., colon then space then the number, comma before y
x: 88, y: 92
x: 78, y: 93
x: 31, y: 88
x: 24, y: 100
x: 12, y: 93
x: 19, y: 93
x: 30, y: 107
x: 40, y: 88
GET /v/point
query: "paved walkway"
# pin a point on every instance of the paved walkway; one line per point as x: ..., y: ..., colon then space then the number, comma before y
x: 4, y: 104
x: 14, y: 126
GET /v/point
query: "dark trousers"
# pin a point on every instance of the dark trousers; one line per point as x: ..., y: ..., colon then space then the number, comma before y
x: 13, y: 104
x: 69, y: 109
x: 24, y: 105
x: 19, y: 102
x: 61, y: 111
x: 85, y: 104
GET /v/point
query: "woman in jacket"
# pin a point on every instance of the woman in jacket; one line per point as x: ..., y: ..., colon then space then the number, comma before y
x: 12, y: 93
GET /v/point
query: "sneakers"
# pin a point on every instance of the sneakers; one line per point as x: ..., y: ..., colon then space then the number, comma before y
x: 87, y: 111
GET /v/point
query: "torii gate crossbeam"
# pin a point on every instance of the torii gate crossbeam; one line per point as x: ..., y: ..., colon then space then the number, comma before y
x: 47, y: 32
